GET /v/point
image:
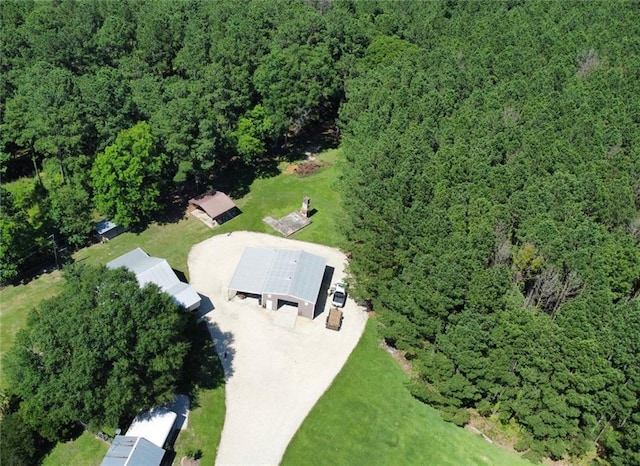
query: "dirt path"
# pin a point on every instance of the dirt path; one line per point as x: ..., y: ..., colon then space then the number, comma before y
x: 275, y: 373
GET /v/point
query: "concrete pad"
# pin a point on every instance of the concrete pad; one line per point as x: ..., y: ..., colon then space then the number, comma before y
x: 274, y: 374
x: 204, y: 218
x: 286, y: 316
x: 288, y: 224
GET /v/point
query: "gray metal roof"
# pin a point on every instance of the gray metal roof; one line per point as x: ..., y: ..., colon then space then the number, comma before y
x: 132, y: 451
x: 133, y: 260
x: 252, y: 270
x: 155, y: 270
x: 289, y: 272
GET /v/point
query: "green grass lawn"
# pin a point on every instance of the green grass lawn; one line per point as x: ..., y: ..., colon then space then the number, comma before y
x: 369, y: 417
x: 86, y: 450
x: 171, y: 241
x: 204, y: 428
x: 206, y: 387
x: 280, y: 195
x: 17, y: 301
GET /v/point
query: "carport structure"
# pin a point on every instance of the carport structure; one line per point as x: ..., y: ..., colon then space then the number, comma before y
x: 217, y: 205
x: 275, y: 276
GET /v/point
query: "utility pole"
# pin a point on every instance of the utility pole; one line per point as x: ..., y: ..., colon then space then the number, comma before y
x: 35, y: 164
x: 55, y: 249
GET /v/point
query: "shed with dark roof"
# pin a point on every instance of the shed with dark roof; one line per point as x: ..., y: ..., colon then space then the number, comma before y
x: 216, y: 205
x: 106, y: 229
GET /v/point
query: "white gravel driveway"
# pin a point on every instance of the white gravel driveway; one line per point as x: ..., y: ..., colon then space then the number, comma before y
x: 275, y: 373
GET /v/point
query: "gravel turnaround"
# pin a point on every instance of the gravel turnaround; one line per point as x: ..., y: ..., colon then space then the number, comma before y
x: 276, y: 365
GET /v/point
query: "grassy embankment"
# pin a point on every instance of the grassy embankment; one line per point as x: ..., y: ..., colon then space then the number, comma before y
x: 369, y: 417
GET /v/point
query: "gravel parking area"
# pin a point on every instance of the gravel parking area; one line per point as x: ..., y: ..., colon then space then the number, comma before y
x: 276, y: 365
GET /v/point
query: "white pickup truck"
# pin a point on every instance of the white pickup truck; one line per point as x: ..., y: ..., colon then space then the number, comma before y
x: 339, y: 295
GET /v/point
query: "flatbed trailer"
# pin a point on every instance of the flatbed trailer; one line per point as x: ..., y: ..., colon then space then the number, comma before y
x: 334, y: 319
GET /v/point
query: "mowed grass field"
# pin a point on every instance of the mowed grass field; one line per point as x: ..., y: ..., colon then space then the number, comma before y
x: 86, y: 450
x: 204, y: 429
x: 17, y: 301
x: 171, y: 241
x: 366, y: 417
x: 278, y: 196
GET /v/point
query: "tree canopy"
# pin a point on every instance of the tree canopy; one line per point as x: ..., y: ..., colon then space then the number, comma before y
x: 98, y: 353
x: 492, y: 193
x: 129, y: 175
x: 14, y: 236
x: 490, y: 181
x: 218, y: 83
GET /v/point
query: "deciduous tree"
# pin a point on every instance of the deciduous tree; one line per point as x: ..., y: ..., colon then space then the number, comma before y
x: 16, y: 235
x: 98, y: 353
x: 129, y: 175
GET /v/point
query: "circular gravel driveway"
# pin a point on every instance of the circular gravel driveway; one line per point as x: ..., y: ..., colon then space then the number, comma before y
x: 277, y: 365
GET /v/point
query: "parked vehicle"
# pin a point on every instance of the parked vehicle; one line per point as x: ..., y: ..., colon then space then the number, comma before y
x: 339, y: 295
x: 334, y: 319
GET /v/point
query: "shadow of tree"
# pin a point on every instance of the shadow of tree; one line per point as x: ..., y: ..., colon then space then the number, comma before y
x: 173, y: 212
x: 202, y: 368
x: 315, y: 139
x: 206, y: 306
x: 224, y: 345
x: 236, y: 179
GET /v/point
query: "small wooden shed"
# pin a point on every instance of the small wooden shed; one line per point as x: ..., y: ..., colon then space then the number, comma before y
x: 216, y: 205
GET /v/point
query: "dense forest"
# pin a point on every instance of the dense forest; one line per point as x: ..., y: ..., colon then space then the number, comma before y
x: 491, y: 177
x: 175, y: 92
x: 493, y: 182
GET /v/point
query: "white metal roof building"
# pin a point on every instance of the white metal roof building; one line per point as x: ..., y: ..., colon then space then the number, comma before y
x: 143, y: 443
x: 290, y: 275
x: 155, y: 270
x: 154, y: 425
